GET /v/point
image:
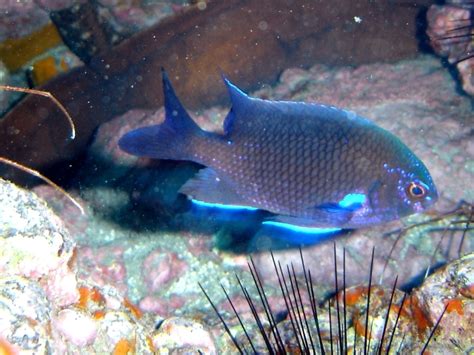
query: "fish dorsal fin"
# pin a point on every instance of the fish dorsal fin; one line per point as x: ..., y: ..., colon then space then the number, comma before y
x: 238, y: 98
x: 241, y: 104
x: 175, y: 113
x: 247, y: 111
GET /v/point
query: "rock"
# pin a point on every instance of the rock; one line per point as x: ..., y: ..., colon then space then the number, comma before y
x: 23, y: 18
x: 156, y: 261
x: 161, y: 269
x: 34, y: 243
x: 179, y: 335
x: 102, y: 320
x: 450, y: 31
x: 42, y: 308
x: 451, y: 287
x: 25, y: 315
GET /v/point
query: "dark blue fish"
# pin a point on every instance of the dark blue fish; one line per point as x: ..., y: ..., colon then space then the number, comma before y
x: 310, y: 165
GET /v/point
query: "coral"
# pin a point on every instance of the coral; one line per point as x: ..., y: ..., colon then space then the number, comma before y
x: 452, y: 286
x: 102, y: 320
x: 42, y: 306
x: 25, y: 314
x: 34, y: 244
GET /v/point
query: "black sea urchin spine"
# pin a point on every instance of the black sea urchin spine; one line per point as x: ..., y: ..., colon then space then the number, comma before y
x: 299, y: 319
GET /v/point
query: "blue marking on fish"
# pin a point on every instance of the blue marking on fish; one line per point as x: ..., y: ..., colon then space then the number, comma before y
x: 310, y: 165
x: 353, y: 200
x: 222, y: 206
x: 302, y: 229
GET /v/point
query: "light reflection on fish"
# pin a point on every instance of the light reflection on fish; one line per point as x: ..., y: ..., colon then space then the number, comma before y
x: 310, y: 165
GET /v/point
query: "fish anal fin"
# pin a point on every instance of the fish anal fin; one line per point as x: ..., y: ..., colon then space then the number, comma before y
x: 208, y: 189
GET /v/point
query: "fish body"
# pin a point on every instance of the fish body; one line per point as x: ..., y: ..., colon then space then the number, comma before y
x: 310, y: 165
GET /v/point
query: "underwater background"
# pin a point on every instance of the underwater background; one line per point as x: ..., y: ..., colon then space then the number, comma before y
x: 125, y: 275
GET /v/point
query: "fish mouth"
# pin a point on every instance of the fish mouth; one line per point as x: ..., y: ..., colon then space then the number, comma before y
x: 418, y: 207
x: 431, y: 199
x: 426, y: 204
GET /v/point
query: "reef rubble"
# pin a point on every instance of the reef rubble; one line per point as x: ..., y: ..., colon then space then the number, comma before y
x: 47, y: 307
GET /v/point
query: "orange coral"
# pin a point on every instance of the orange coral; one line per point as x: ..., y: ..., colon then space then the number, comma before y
x: 7, y: 348
x: 149, y: 341
x: 96, y: 296
x: 134, y: 309
x: 359, y: 328
x: 353, y: 295
x: 87, y: 294
x: 422, y: 322
x: 455, y: 305
x: 98, y: 315
x: 124, y: 347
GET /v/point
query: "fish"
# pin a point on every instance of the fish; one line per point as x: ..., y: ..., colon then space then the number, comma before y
x: 309, y: 165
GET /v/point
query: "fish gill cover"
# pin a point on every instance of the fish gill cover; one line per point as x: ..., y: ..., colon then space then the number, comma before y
x: 310, y: 165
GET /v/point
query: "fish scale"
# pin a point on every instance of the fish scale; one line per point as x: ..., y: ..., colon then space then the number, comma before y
x: 308, y: 164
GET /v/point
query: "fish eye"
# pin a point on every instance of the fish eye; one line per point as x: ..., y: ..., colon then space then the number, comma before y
x: 416, y: 190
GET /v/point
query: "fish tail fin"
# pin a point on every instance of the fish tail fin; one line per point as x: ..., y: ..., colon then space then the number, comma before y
x: 170, y: 140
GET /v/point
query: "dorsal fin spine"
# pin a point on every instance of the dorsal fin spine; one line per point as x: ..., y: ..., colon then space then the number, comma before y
x: 239, y: 101
x: 237, y: 96
x: 175, y: 114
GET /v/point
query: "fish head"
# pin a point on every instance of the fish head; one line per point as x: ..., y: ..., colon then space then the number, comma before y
x: 404, y: 187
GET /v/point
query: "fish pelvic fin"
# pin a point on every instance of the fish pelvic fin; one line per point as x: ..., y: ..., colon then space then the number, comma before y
x: 173, y: 139
x: 207, y: 188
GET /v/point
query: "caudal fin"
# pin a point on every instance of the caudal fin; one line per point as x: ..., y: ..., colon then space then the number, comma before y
x: 169, y: 140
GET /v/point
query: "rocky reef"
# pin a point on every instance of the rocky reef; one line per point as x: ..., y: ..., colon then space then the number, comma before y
x: 49, y: 306
x: 134, y: 260
x: 124, y: 276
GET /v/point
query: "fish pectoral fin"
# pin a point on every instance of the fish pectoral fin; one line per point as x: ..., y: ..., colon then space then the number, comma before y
x: 211, y: 189
x: 333, y: 213
x: 328, y: 217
